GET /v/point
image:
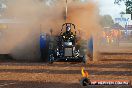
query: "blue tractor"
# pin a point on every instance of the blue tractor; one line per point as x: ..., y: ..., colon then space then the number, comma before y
x: 65, y: 46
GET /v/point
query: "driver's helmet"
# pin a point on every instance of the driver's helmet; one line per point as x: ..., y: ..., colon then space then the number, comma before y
x: 68, y: 28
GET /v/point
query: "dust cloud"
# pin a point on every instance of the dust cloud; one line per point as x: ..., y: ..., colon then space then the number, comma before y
x: 32, y: 17
x: 86, y: 18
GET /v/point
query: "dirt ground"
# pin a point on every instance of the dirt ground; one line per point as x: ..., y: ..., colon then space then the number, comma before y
x: 62, y: 74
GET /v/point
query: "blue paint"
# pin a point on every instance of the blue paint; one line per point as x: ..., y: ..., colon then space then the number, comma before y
x: 90, y: 45
x: 43, y: 40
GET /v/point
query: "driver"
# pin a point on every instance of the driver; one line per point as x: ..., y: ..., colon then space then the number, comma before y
x: 68, y: 35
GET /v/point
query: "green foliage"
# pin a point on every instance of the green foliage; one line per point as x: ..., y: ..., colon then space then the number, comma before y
x: 106, y: 21
x: 128, y: 7
x: 128, y: 4
x: 118, y: 1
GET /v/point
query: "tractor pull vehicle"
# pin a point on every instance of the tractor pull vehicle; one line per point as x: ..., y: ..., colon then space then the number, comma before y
x: 65, y: 47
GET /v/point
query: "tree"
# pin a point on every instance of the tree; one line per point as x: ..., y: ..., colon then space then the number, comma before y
x: 128, y: 4
x: 106, y: 21
x: 122, y: 13
x: 118, y: 1
x: 128, y: 7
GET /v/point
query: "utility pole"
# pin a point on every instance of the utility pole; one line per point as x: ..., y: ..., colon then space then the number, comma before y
x: 66, y: 10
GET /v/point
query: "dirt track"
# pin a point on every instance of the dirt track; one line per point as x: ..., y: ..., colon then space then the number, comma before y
x: 60, y: 74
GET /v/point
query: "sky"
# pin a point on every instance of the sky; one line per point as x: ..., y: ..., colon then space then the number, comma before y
x: 108, y: 7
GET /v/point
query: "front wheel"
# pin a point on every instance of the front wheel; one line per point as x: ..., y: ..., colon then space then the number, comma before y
x: 85, y: 59
x: 51, y: 59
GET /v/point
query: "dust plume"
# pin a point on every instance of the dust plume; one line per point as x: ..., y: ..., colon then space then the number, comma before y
x: 29, y: 19
x: 32, y: 17
x: 86, y: 18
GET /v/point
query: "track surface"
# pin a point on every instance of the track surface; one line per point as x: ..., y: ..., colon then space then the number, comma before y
x: 60, y: 74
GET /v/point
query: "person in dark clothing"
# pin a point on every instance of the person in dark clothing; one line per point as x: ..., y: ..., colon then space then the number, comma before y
x: 68, y: 35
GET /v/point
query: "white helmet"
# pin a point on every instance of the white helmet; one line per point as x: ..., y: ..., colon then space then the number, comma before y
x: 68, y: 28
